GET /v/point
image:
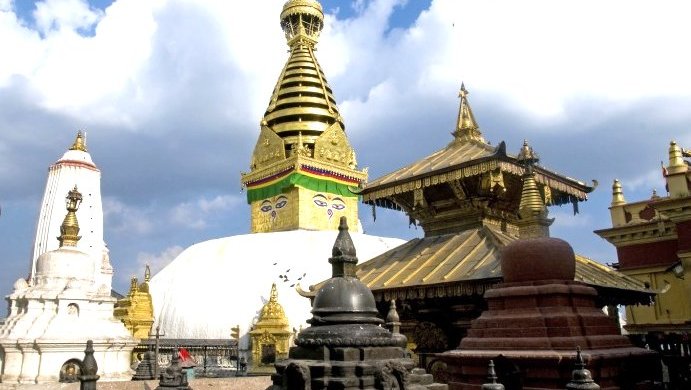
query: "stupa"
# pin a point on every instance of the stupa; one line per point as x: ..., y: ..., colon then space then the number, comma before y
x: 75, y: 167
x: 303, y: 176
x: 51, y: 317
x: 535, y: 322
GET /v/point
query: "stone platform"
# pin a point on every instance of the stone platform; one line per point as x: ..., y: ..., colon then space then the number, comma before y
x: 240, y: 383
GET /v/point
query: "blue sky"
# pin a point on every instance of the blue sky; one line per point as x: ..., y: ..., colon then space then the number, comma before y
x: 171, y: 93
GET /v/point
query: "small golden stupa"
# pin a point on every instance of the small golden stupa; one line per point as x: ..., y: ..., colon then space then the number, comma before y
x: 303, y: 172
x: 271, y: 334
x: 136, y: 310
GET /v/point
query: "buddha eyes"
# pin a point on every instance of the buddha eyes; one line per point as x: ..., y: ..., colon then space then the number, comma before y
x: 336, y: 203
x: 266, y: 205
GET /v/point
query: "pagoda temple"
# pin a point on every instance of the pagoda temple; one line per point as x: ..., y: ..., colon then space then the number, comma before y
x: 471, y: 199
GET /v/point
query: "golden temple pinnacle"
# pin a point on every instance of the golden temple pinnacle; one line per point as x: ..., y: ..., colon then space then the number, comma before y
x: 79, y: 142
x: 466, y: 126
x: 69, y: 229
x: 302, y: 21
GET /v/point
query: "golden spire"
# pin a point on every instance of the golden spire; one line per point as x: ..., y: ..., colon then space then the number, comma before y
x: 531, y: 200
x: 70, y: 226
x: 147, y: 274
x: 79, y: 142
x: 133, y: 286
x: 676, y: 160
x: 302, y: 101
x: 273, y: 310
x: 466, y: 126
x: 617, y: 194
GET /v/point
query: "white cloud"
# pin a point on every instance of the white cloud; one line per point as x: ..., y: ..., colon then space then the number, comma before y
x: 157, y: 261
x: 53, y: 15
x: 119, y: 217
x: 194, y: 214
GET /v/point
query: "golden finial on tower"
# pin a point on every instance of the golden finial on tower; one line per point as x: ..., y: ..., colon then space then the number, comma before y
x: 302, y: 21
x: 531, y: 200
x: 69, y: 229
x: 617, y: 194
x: 147, y: 274
x: 79, y: 142
x: 466, y: 126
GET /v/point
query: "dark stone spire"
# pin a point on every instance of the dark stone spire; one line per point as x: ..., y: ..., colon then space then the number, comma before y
x: 343, y: 258
x: 89, y: 369
x: 492, y: 377
x: 581, y: 379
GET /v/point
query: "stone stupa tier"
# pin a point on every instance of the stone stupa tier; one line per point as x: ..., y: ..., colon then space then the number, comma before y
x: 49, y: 321
x: 75, y: 167
x: 303, y: 172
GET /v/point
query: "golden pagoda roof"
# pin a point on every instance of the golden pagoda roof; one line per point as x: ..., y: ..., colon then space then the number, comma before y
x: 468, y: 263
x: 468, y: 154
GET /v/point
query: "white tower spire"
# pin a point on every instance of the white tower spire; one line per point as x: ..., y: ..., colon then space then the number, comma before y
x: 75, y: 168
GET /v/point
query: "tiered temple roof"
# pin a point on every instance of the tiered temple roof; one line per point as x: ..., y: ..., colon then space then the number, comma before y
x: 472, y: 199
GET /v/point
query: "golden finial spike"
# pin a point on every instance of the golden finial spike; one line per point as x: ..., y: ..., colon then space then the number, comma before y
x: 531, y: 201
x: 79, y: 142
x: 617, y: 194
x: 147, y: 273
x: 466, y: 126
x: 69, y: 229
x: 274, y: 294
x: 133, y: 285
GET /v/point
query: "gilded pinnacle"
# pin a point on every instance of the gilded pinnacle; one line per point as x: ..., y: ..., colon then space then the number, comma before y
x: 466, y: 126
x: 302, y: 21
x: 79, y: 142
x: 69, y: 229
x: 531, y: 200
x: 617, y: 194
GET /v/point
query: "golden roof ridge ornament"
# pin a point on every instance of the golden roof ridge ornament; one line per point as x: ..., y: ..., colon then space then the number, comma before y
x: 466, y: 125
x: 69, y: 229
x: 79, y: 142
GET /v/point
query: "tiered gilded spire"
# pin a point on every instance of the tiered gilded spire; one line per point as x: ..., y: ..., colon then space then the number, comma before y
x: 466, y: 126
x: 531, y: 200
x: 272, y: 311
x: 302, y: 102
x: 79, y: 142
x: 617, y: 194
x: 69, y: 230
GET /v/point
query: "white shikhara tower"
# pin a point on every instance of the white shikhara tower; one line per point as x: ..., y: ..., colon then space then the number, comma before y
x: 61, y: 307
x: 74, y: 168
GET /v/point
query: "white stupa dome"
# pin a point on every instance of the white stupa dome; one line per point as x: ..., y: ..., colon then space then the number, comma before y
x: 217, y: 284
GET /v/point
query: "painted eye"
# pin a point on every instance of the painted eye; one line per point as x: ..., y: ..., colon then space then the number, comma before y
x: 338, y: 206
x: 265, y: 208
x: 320, y: 203
x: 281, y: 204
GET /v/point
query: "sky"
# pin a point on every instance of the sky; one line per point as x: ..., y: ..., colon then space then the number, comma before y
x: 171, y: 92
